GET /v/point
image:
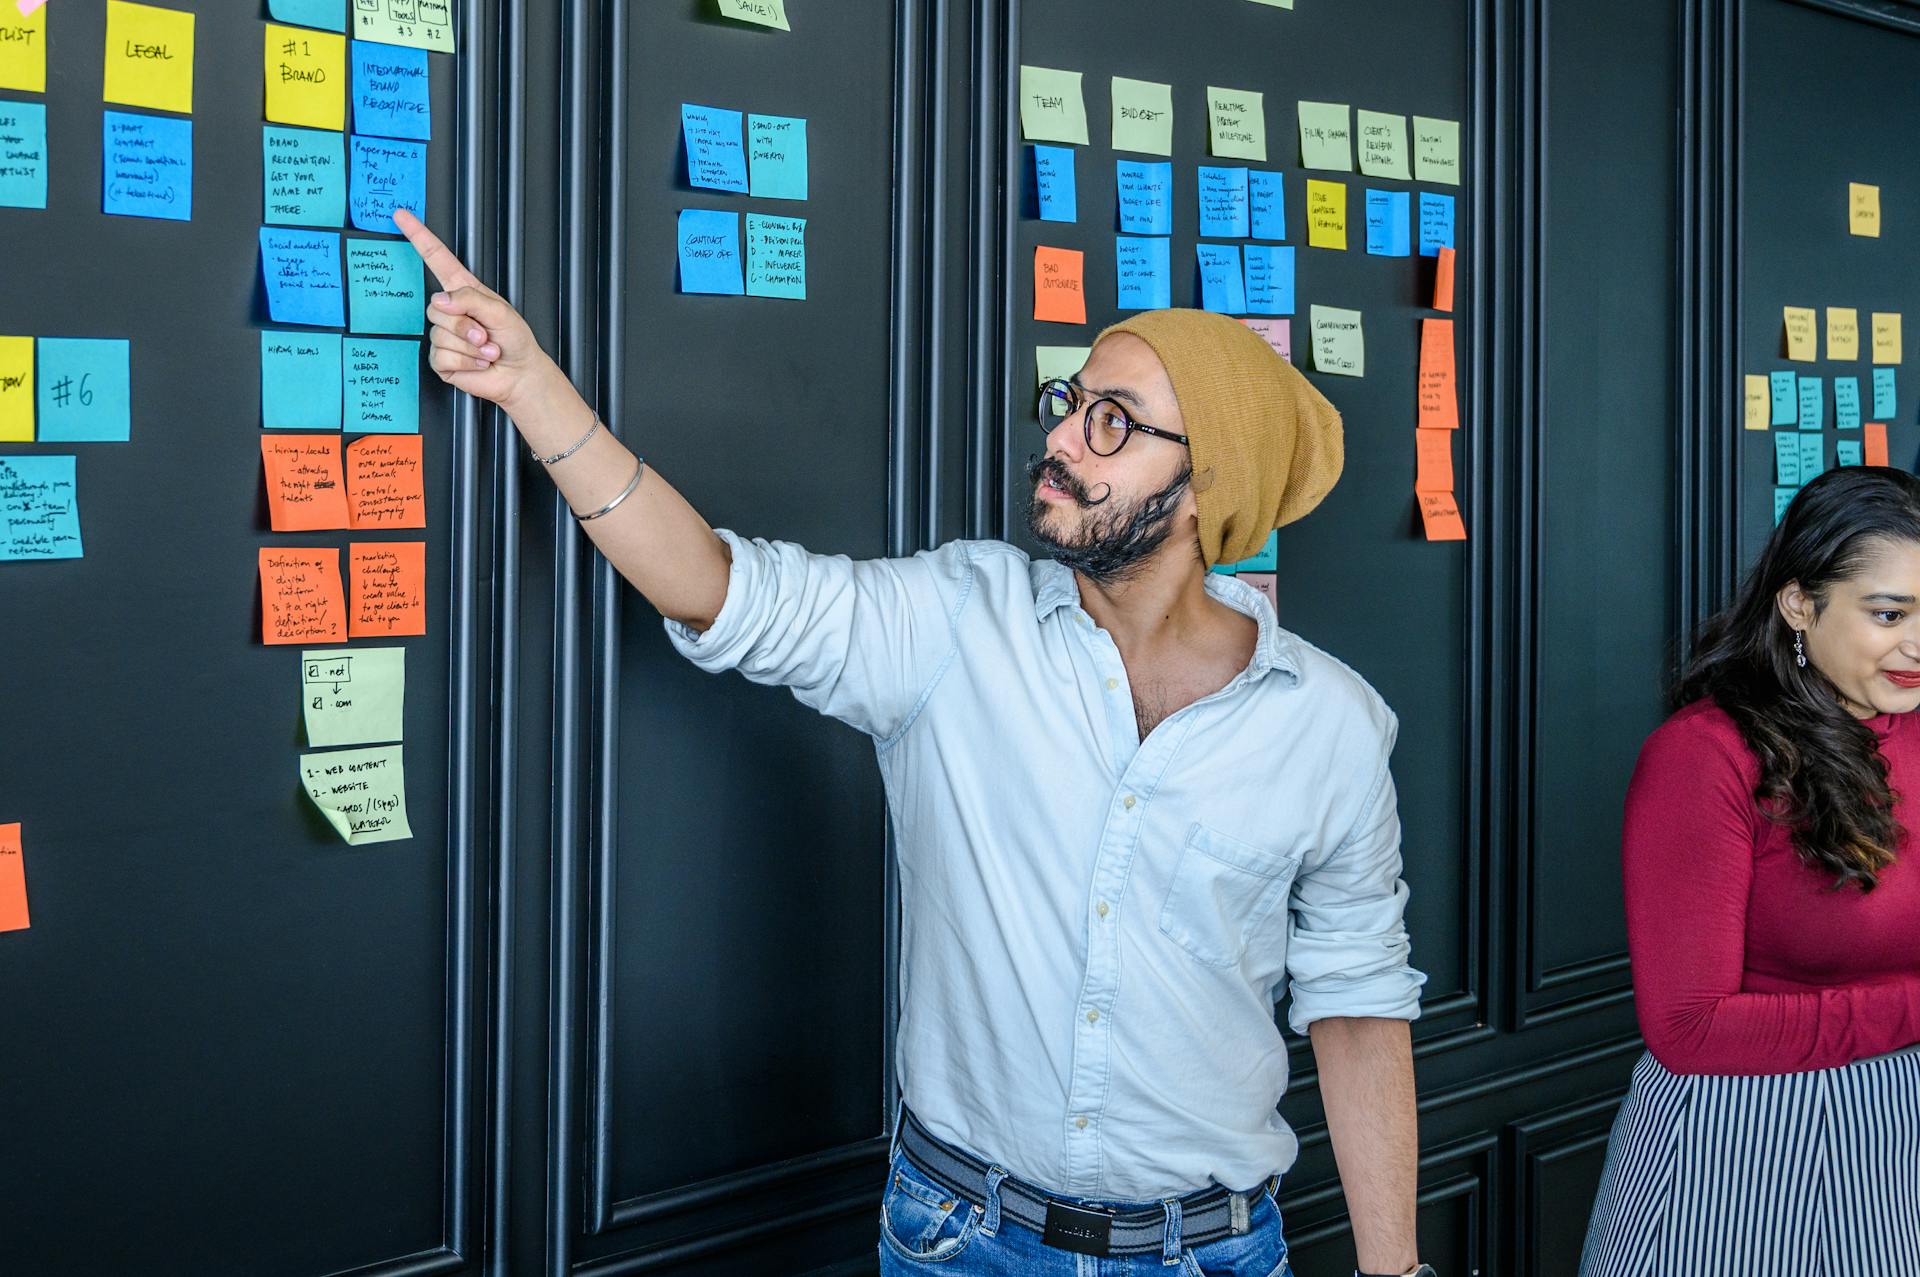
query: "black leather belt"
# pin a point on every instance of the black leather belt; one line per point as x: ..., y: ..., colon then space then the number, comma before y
x: 1206, y: 1214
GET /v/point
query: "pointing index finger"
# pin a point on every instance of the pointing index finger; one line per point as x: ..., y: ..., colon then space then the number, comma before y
x: 446, y: 268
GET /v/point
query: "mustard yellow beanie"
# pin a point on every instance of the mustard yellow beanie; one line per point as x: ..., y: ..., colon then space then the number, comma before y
x: 1266, y: 445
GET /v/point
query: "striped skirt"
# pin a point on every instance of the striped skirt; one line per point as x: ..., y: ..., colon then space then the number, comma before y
x: 1795, y: 1175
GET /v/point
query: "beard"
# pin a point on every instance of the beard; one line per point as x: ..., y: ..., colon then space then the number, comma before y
x: 1114, y: 541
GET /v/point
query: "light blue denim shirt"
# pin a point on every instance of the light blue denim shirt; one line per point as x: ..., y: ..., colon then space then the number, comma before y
x: 1095, y: 928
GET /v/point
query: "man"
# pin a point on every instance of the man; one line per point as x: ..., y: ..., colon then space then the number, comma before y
x: 1129, y: 806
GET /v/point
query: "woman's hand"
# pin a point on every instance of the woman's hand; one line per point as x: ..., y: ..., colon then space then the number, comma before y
x: 479, y: 343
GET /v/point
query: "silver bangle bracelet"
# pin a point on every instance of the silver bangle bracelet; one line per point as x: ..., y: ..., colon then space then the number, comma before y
x: 578, y: 444
x: 641, y: 465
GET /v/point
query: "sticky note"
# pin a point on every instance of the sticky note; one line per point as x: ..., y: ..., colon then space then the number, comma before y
x: 1326, y: 139
x: 1813, y: 403
x: 1843, y: 332
x: 1237, y: 123
x: 1276, y: 4
x: 1782, y: 498
x: 1438, y: 395
x: 354, y: 696
x: 386, y: 174
x: 765, y: 13
x: 1874, y: 444
x: 16, y: 390
x: 23, y: 49
x: 1436, y: 223
x: 299, y: 380
x: 23, y: 154
x: 300, y: 596
x: 1382, y: 142
x: 1053, y: 184
x: 1784, y: 389
x: 1846, y: 403
x: 710, y: 252
x: 387, y: 581
x: 361, y: 792
x: 1846, y: 452
x: 1051, y: 107
x: 716, y: 156
x: 777, y: 157
x: 1223, y: 203
x: 149, y: 57
x: 1265, y: 559
x: 1144, y: 269
x: 13, y: 878
x: 1756, y: 401
x: 1267, y: 205
x: 1440, y: 516
x: 1443, y: 280
x: 1146, y: 197
x: 1786, y: 460
x: 421, y: 24
x: 1339, y: 342
x: 82, y: 390
x: 1886, y: 337
x: 381, y: 385
x: 1863, y: 209
x: 148, y: 166
x: 1058, y: 275
x: 1142, y: 116
x: 306, y: 491
x: 1802, y: 344
x: 386, y: 482
x: 776, y: 256
x: 306, y: 77
x: 1223, y: 287
x: 1326, y: 214
x: 1269, y: 278
x: 302, y: 274
x: 384, y: 287
x: 1433, y: 460
x: 1813, y: 455
x: 329, y: 15
x: 303, y: 176
x: 1278, y: 334
x: 1436, y: 150
x: 1885, y: 400
x: 1389, y: 233
x: 1064, y: 362
x: 39, y: 509
x: 391, y: 96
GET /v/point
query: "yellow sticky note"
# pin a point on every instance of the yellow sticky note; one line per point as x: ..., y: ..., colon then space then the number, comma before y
x: 1237, y: 120
x: 766, y: 13
x: 149, y: 57
x: 1326, y: 214
x: 1051, y: 108
x: 1863, y: 209
x: 1802, y: 334
x: 1759, y: 401
x: 1843, y: 332
x: 23, y: 49
x: 1142, y: 116
x: 1886, y: 336
x: 1382, y: 139
x: 306, y: 77
x: 16, y: 390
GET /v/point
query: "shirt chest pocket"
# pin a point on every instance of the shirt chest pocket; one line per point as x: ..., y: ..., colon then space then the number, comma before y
x: 1224, y: 893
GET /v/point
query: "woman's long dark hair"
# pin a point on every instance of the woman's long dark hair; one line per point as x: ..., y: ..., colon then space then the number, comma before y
x: 1821, y: 770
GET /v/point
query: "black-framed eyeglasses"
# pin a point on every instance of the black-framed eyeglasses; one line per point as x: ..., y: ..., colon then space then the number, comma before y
x: 1107, y: 425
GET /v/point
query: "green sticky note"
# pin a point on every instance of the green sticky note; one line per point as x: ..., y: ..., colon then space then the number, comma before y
x: 1237, y: 123
x: 1051, y: 108
x: 1436, y: 150
x: 353, y: 697
x: 299, y: 380
x: 1326, y: 136
x: 765, y: 13
x: 1276, y: 4
x: 1064, y: 362
x: 1142, y: 116
x: 1383, y: 143
x: 420, y: 24
x: 361, y: 792
x: 1339, y: 343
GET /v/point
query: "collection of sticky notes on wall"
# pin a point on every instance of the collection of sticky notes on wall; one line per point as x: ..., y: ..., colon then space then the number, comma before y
x: 759, y: 156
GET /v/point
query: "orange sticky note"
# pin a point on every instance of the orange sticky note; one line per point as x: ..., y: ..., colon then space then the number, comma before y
x: 1873, y: 450
x: 386, y: 482
x: 1443, y: 280
x: 300, y: 597
x: 1439, y: 400
x: 304, y: 491
x: 1434, y: 451
x: 389, y: 580
x: 1441, y: 516
x: 1057, y: 276
x: 13, y: 880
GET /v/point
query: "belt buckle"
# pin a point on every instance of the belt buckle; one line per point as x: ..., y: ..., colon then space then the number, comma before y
x: 1078, y: 1228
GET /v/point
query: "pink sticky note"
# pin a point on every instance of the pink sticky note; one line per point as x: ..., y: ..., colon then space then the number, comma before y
x: 1278, y: 332
x: 27, y: 7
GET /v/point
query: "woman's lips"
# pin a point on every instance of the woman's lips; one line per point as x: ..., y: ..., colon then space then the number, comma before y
x: 1904, y: 678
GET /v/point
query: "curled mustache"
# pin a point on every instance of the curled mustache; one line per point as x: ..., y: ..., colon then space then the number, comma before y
x: 1050, y: 467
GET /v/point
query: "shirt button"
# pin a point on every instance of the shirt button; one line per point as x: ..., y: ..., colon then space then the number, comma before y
x: 1112, y: 683
x: 1101, y: 908
x: 1127, y: 802
x: 1093, y: 1017
x: 1080, y: 1122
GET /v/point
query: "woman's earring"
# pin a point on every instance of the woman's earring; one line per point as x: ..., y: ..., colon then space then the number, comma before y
x: 1799, y: 650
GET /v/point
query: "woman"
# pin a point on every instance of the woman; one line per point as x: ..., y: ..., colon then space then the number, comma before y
x: 1773, y: 917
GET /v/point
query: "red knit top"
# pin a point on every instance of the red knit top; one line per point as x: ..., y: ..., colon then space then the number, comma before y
x: 1745, y: 959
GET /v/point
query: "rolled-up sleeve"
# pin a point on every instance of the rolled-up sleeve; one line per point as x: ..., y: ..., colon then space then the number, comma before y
x: 863, y: 641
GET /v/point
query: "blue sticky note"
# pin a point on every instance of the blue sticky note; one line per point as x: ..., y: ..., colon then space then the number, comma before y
x: 303, y: 176
x: 302, y: 272
x: 1223, y: 203
x: 776, y: 256
x: 1813, y: 455
x: 328, y: 15
x: 1146, y: 197
x: 1388, y: 216
x: 1265, y: 559
x: 23, y: 154
x: 1144, y: 268
x: 1786, y: 460
x: 300, y: 380
x: 1846, y: 403
x: 1222, y: 288
x: 381, y: 384
x: 1813, y: 403
x: 1269, y: 279
x: 777, y: 157
x: 1885, y: 401
x: 1436, y: 223
x: 1786, y: 398
x: 390, y: 91
x: 709, y: 252
x: 148, y: 166
x: 82, y: 390
x: 39, y: 509
x: 716, y: 159
x: 387, y: 174
x: 1846, y: 452
x: 384, y: 287
x: 1053, y: 184
x: 1782, y: 498
x: 1266, y: 200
